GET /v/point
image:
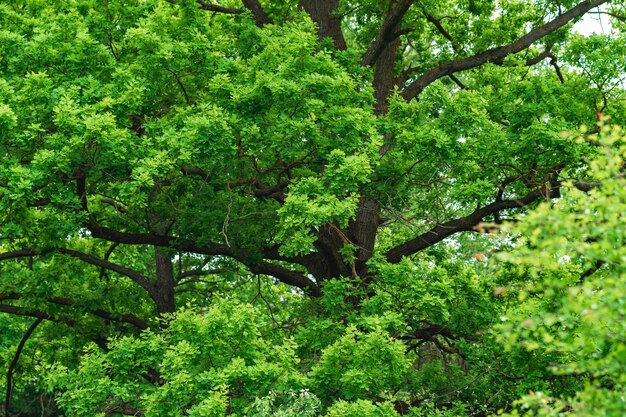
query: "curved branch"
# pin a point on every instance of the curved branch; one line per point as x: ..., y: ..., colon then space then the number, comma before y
x: 22, y: 253
x: 138, y: 278
x: 213, y: 7
x: 16, y: 357
x: 281, y: 273
x: 462, y: 224
x: 387, y: 32
x: 129, y: 238
x: 260, y: 17
x: 103, y: 314
x: 499, y: 53
x: 439, y: 26
x: 22, y: 311
x: 286, y: 276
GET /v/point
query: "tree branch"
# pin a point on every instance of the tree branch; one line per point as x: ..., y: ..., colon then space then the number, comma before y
x: 286, y: 276
x: 138, y: 278
x: 17, y: 254
x: 213, y: 7
x: 67, y: 302
x: 391, y: 20
x: 592, y: 270
x: 499, y: 53
x: 282, y: 274
x: 437, y: 23
x: 16, y: 357
x: 129, y: 238
x: 22, y: 311
x: 553, y: 61
x: 260, y: 17
x: 463, y: 224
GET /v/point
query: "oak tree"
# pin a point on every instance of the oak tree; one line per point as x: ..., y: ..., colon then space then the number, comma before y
x: 219, y: 208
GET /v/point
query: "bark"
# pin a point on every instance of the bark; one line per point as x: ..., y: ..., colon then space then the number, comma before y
x: 163, y: 294
x: 388, y: 32
x: 462, y: 224
x: 328, y: 23
x: 498, y: 54
x: 364, y: 229
x: 384, y: 77
x: 260, y: 17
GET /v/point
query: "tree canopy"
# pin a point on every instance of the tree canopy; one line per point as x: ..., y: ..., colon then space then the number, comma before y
x: 314, y: 208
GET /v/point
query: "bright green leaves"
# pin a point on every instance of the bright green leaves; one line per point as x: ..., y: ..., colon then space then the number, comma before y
x: 600, y: 57
x: 163, y: 87
x: 295, y: 102
x: 8, y: 119
x: 250, y: 146
x: 426, y: 290
x: 576, y: 248
x: 314, y: 202
x: 203, y: 363
x: 361, y: 408
x: 291, y: 404
x: 361, y: 365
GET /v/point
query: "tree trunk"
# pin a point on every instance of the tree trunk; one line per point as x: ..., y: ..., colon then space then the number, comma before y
x: 329, y: 24
x: 164, y: 286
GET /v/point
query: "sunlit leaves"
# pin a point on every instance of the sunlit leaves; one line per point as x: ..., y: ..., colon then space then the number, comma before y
x: 576, y: 247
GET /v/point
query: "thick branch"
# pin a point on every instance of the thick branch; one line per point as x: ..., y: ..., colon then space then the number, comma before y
x: 499, y: 53
x: 467, y: 223
x: 535, y: 60
x: 260, y: 17
x: 22, y: 311
x: 387, y: 32
x: 286, y: 276
x: 283, y: 274
x: 103, y: 314
x: 139, y: 279
x: 213, y: 7
x: 323, y: 13
x: 17, y: 254
x: 103, y: 232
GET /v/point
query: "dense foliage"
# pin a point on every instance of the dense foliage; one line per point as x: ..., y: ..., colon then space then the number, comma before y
x: 315, y: 208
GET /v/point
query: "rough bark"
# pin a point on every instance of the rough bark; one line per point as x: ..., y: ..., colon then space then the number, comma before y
x: 163, y: 294
x: 260, y: 17
x: 328, y: 23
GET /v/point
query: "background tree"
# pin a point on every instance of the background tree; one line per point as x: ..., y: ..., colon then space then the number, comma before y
x: 167, y: 164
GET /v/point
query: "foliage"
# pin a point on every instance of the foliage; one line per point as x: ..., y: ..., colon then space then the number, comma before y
x: 582, y: 325
x: 315, y: 208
